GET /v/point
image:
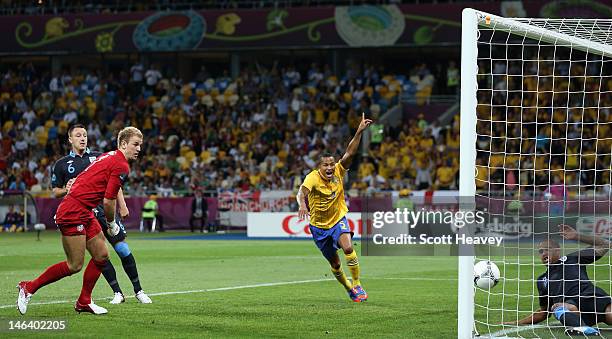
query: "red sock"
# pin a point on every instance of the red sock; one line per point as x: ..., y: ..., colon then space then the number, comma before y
x: 90, y: 277
x: 51, y: 274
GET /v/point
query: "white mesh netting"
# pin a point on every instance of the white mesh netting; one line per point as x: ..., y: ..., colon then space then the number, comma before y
x: 543, y: 156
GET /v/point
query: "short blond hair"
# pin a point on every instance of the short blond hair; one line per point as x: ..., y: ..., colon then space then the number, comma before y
x: 127, y: 133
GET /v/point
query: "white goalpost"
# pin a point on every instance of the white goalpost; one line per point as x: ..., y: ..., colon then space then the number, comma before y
x: 536, y: 120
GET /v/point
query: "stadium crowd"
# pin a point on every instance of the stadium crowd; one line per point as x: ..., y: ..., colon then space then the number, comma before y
x: 419, y: 155
x: 259, y: 130
x: 264, y: 128
x: 545, y: 125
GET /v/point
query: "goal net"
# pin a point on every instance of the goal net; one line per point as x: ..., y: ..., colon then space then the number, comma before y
x: 536, y: 138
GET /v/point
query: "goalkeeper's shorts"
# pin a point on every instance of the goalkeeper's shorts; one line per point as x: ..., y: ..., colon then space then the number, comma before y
x: 327, y: 239
x: 73, y: 219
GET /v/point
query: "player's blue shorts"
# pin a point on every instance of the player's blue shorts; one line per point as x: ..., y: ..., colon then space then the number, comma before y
x: 327, y: 239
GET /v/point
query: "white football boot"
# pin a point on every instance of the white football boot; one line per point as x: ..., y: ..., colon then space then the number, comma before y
x: 90, y: 308
x: 118, y: 298
x: 23, y: 298
x: 143, y: 297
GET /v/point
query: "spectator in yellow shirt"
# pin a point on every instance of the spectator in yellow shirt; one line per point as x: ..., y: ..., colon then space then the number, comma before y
x: 319, y: 115
x: 365, y: 168
x: 255, y: 178
x: 445, y: 176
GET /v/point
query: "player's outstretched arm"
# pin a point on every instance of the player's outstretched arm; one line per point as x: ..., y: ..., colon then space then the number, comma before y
x: 600, y: 245
x: 301, y: 198
x: 353, y: 145
x: 535, y: 318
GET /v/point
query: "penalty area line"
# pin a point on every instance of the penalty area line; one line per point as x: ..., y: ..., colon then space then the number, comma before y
x: 281, y: 283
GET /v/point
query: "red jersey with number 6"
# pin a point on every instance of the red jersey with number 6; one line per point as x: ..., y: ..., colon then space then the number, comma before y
x: 102, y: 179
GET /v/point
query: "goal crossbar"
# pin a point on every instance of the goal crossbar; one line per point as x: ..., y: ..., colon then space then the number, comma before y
x: 555, y: 31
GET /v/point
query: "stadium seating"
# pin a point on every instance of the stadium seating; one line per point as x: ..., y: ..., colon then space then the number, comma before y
x: 250, y: 127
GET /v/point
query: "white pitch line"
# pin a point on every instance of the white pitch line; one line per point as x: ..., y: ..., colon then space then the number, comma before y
x: 192, y: 291
x: 43, y: 303
x: 241, y: 287
x: 230, y: 288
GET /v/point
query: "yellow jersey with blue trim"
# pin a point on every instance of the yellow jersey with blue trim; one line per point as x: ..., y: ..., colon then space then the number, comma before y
x: 326, y: 197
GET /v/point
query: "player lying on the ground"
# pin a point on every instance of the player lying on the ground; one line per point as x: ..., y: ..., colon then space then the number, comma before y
x: 327, y: 209
x: 98, y: 183
x: 565, y: 288
x: 64, y: 172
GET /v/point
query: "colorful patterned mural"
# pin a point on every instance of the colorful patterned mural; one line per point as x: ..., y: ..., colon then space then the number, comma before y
x: 353, y: 26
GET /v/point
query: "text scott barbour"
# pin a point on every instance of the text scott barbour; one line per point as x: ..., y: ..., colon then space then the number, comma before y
x: 423, y: 239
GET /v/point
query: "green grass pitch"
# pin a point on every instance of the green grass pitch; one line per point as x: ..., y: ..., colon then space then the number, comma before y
x: 262, y: 288
x: 240, y: 288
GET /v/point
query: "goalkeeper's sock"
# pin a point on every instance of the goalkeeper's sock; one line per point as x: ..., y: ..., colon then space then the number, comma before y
x: 341, y: 277
x: 110, y: 275
x: 129, y: 265
x: 567, y: 317
x: 51, y: 274
x: 353, y: 265
x: 90, y: 277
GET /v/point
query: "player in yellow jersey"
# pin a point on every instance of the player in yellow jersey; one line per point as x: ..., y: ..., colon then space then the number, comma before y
x: 327, y: 210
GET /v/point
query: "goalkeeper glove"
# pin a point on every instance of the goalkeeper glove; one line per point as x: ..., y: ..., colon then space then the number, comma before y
x: 113, y: 228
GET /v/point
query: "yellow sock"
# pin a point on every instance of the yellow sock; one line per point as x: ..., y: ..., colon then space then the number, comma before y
x: 353, y: 265
x: 341, y: 277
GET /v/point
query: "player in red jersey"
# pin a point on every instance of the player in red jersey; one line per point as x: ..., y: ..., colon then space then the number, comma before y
x: 80, y: 228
